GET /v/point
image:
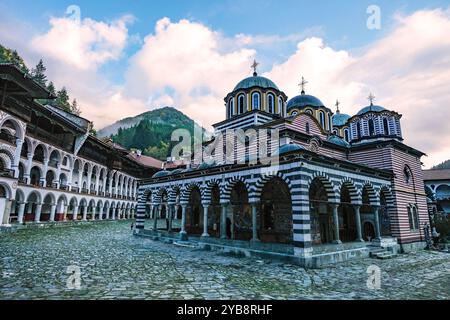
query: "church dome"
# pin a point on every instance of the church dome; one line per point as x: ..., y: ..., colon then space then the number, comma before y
x: 290, y: 147
x: 371, y: 108
x: 303, y: 101
x: 338, y: 140
x: 339, y: 119
x: 256, y: 81
x: 161, y: 173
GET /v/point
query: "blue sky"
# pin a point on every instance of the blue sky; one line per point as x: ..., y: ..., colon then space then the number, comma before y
x: 189, y: 54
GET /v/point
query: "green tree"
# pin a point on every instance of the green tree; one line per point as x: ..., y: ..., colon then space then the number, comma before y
x: 62, y: 100
x: 38, y: 73
x: 74, y: 108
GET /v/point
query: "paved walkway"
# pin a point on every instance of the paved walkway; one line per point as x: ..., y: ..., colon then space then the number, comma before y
x: 112, y: 264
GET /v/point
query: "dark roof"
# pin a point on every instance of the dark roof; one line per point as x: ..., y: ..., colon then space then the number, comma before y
x: 23, y: 82
x: 436, y: 174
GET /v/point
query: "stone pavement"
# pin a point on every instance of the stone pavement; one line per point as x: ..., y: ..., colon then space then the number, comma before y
x: 113, y: 264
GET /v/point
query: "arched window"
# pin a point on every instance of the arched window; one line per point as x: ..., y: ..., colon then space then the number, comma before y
x: 256, y: 101
x: 309, y: 111
x: 386, y: 126
x: 241, y: 104
x: 407, y: 174
x: 280, y: 106
x: 231, y: 107
x: 328, y: 122
x: 271, y: 103
x: 371, y: 127
x: 307, y: 127
x: 358, y: 129
x: 294, y: 113
x: 322, y: 119
x: 413, y: 218
x: 346, y: 135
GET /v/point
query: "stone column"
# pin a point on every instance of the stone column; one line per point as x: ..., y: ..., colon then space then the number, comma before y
x: 358, y: 224
x: 100, y: 213
x: 376, y: 213
x: 155, y: 217
x: 75, y: 213
x: 21, y: 212
x: 15, y: 164
x: 52, y: 212
x: 254, y: 221
x: 38, y: 213
x: 205, y: 220
x: 170, y: 212
x: 85, y: 213
x: 94, y: 212
x: 183, y: 220
x: 335, y: 207
x: 65, y: 209
x: 223, y: 221
x: 114, y: 213
x: 43, y: 181
x: 27, y: 174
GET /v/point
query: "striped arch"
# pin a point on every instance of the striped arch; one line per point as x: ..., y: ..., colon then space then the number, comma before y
x: 255, y: 194
x: 327, y: 184
x: 207, y: 189
x: 373, y: 197
x: 173, y: 193
x: 226, y: 194
x: 386, y: 190
x: 145, y: 194
x: 352, y: 189
x: 158, y: 195
x: 7, y: 157
x: 186, y: 193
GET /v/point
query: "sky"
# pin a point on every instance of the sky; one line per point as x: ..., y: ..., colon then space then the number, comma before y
x: 123, y: 58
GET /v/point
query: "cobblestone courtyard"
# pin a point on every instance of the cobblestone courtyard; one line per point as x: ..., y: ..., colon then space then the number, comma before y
x: 116, y: 265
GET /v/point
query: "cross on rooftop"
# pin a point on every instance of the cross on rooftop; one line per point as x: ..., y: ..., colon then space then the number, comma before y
x: 254, y: 66
x: 302, y: 85
x: 371, y: 98
x: 337, y: 106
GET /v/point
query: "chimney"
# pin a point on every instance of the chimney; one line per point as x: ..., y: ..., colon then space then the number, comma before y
x: 138, y: 152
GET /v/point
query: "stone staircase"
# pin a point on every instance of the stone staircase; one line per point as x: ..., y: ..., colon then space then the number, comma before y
x: 385, y: 248
x: 381, y: 253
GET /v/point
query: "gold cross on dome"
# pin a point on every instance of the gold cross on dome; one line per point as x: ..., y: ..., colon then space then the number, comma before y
x: 371, y: 98
x: 302, y: 84
x: 337, y: 105
x: 255, y: 65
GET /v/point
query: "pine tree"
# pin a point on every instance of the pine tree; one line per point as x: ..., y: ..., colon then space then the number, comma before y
x: 38, y: 73
x: 62, y: 100
x: 74, y: 108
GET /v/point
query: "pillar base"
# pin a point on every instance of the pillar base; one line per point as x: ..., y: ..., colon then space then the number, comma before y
x: 255, y: 240
x: 183, y: 236
x: 205, y: 235
x: 337, y: 242
x: 359, y: 240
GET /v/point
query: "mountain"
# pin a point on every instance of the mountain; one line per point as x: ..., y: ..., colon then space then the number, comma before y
x: 443, y: 165
x: 150, y: 131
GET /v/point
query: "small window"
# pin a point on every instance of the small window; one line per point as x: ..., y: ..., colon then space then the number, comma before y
x: 371, y: 127
x: 346, y: 135
x: 407, y: 174
x: 413, y: 218
x: 241, y: 104
x: 386, y: 126
x: 280, y: 106
x: 256, y: 101
x: 358, y: 129
x: 322, y: 119
x: 307, y: 127
x: 271, y: 103
x: 309, y: 111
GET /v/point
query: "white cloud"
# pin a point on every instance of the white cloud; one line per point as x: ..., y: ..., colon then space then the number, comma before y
x: 85, y: 44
